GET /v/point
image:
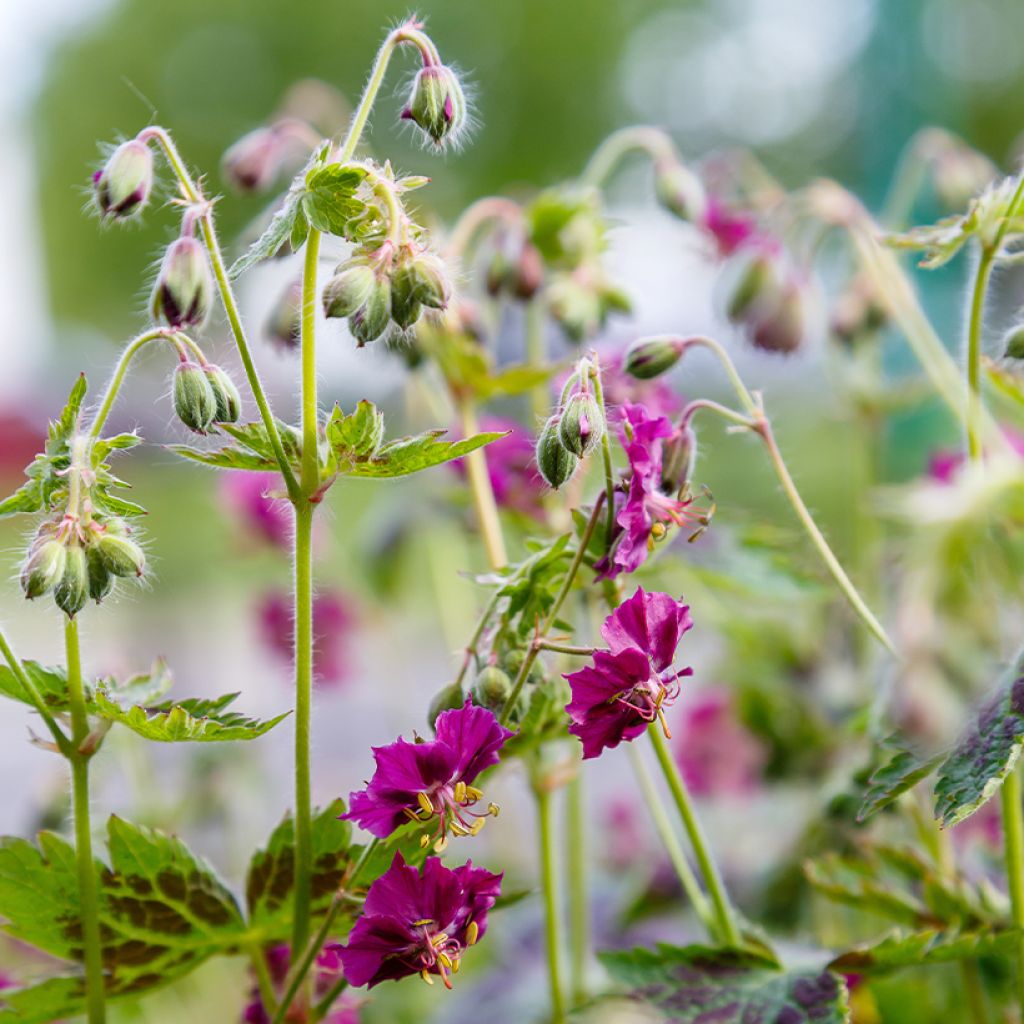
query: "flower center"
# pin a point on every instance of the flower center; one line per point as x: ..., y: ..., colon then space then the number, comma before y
x: 438, y: 952
x: 450, y: 804
x: 650, y: 698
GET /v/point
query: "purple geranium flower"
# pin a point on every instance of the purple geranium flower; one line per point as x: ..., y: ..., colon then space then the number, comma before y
x: 248, y: 497
x: 419, y: 923
x: 629, y: 685
x: 714, y: 751
x: 327, y: 972
x: 729, y: 228
x: 642, y: 517
x: 421, y: 781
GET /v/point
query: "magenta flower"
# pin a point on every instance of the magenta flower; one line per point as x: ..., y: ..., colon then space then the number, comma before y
x: 247, y: 498
x: 944, y: 464
x: 622, y: 389
x: 629, y: 685
x: 333, y: 622
x: 643, y: 516
x: 434, y: 779
x: 327, y: 972
x: 715, y: 753
x: 728, y: 228
x: 419, y: 922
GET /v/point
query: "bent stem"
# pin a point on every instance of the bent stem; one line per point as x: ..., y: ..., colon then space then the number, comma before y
x: 549, y: 881
x: 726, y: 928
x: 579, y: 908
x: 95, y: 995
x: 482, y: 491
x: 636, y: 138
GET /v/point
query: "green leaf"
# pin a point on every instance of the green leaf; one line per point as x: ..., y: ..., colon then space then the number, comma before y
x: 223, y: 458
x: 254, y: 451
x: 271, y: 877
x: 192, y: 720
x: 330, y: 198
x: 63, y: 427
x: 899, y: 950
x: 51, y: 682
x: 856, y: 883
x: 27, y: 498
x: 698, y: 985
x: 44, y: 1003
x: 276, y: 233
x: 411, y: 454
x: 902, y: 772
x: 985, y: 754
x: 300, y: 230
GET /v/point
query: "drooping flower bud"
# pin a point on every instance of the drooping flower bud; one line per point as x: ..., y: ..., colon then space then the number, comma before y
x: 756, y: 284
x: 647, y: 358
x: 448, y: 698
x: 183, y: 292
x: 491, y: 688
x: 43, y: 567
x: 225, y: 395
x: 857, y: 313
x: 194, y: 400
x: 371, y: 319
x: 680, y: 191
x: 72, y: 591
x: 515, y: 267
x: 405, y: 307
x: 252, y: 163
x: 678, y: 457
x: 780, y: 328
x: 349, y: 289
x: 555, y: 462
x: 284, y: 325
x: 437, y: 104
x: 101, y: 582
x: 1013, y: 344
x: 123, y: 185
x: 121, y: 556
x: 582, y: 424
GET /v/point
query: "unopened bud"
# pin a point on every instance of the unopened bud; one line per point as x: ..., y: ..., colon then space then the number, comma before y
x: 183, y: 291
x: 555, y: 462
x: 348, y: 290
x: 72, y: 592
x: 252, y: 163
x: 492, y: 687
x: 371, y: 319
x: 447, y: 699
x: 284, y: 325
x: 121, y: 556
x: 755, y: 284
x: 648, y: 358
x: 194, y: 400
x: 515, y: 268
x: 1013, y: 345
x: 582, y: 424
x: 437, y: 103
x: 101, y: 582
x: 575, y: 308
x: 126, y: 180
x: 680, y: 191
x: 678, y: 456
x: 43, y: 567
x: 225, y: 395
x: 781, y: 327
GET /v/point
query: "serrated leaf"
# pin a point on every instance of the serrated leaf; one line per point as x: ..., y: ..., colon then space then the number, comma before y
x: 51, y: 682
x: 698, y: 985
x: 224, y: 458
x: 276, y: 233
x: 854, y: 883
x: 899, y: 950
x: 887, y: 783
x: 985, y: 754
x: 186, y: 721
x: 300, y: 230
x: 271, y: 877
x: 330, y: 201
x: 411, y: 454
x: 63, y: 427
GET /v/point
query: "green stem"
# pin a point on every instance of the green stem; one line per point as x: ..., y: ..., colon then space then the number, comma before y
x: 310, y: 478
x: 536, y: 356
x: 613, y: 149
x: 88, y: 896
x: 474, y: 217
x: 549, y: 882
x: 16, y: 667
x: 578, y: 652
x: 579, y: 909
x: 263, y: 980
x: 483, y: 493
x: 323, y: 1007
x: 300, y: 970
x: 974, y: 989
x: 606, y: 460
x: 1013, y: 830
x: 726, y: 925
x: 981, y: 279
x: 663, y: 826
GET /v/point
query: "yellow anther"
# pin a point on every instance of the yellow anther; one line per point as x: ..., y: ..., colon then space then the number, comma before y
x: 664, y: 724
x: 425, y: 975
x: 423, y: 922
x: 424, y: 802
x: 473, y: 793
x: 445, y: 959
x: 424, y: 841
x: 410, y: 814
x: 493, y: 809
x: 474, y: 829
x: 472, y: 933
x: 439, y: 939
x: 441, y: 845
x: 658, y: 530
x: 455, y: 966
x: 458, y: 830
x: 460, y: 792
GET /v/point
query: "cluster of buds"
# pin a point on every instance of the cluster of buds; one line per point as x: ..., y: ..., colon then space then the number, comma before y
x: 78, y: 560
x: 581, y: 301
x: 766, y: 297
x: 574, y: 430
x: 204, y: 395
x: 123, y: 185
x: 390, y: 285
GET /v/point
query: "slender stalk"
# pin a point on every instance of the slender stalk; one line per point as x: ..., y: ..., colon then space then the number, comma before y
x: 723, y: 914
x: 475, y: 216
x: 1013, y: 830
x: 310, y: 462
x: 323, y: 1007
x: 578, y: 652
x: 88, y: 896
x: 482, y: 491
x: 643, y: 138
x: 579, y: 907
x: 606, y: 460
x: 301, y: 969
x: 18, y: 670
x: 977, y: 316
x: 536, y: 356
x: 263, y: 980
x: 663, y: 826
x: 549, y: 881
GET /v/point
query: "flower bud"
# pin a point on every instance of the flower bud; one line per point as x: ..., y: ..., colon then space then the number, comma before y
x: 756, y: 284
x: 780, y: 328
x: 515, y: 267
x: 72, y: 591
x: 680, y: 191
x: 555, y: 462
x: 678, y: 456
x: 575, y: 308
x: 194, y: 400
x: 448, y: 698
x: 225, y: 395
x: 432, y: 286
x: 43, y: 567
x: 647, y: 358
x: 126, y: 180
x: 284, y: 325
x: 405, y: 307
x: 121, y: 556
x: 582, y: 424
x: 437, y: 103
x: 348, y: 290
x: 371, y: 319
x: 101, y: 582
x: 492, y: 688
x: 183, y: 291
x: 1013, y: 345
x: 251, y: 164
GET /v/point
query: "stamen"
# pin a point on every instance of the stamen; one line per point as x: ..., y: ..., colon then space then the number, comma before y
x: 424, y: 841
x: 423, y: 922
x: 440, y: 845
x: 424, y: 802
x: 411, y: 814
x: 664, y: 724
x: 473, y: 793
x: 444, y: 958
x: 472, y: 933
x: 477, y: 826
x: 493, y: 809
x: 460, y: 792
x: 425, y: 975
x: 456, y: 964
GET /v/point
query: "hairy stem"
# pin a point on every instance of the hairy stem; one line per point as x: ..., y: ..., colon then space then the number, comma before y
x: 18, y: 670
x: 975, y: 324
x: 606, y: 461
x: 1012, y: 803
x: 482, y: 491
x: 579, y: 907
x: 95, y: 995
x: 310, y: 475
x: 549, y: 882
x: 723, y: 914
x: 474, y: 217
x: 637, y: 138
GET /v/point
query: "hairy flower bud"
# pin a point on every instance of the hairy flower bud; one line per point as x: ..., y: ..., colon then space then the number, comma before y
x: 123, y: 185
x: 225, y: 395
x: 194, y: 400
x: 252, y: 163
x: 781, y: 328
x: 183, y: 292
x: 101, y: 582
x: 371, y: 319
x: 756, y: 284
x: 680, y: 191
x: 284, y: 325
x: 582, y: 424
x: 437, y: 103
x: 647, y: 358
x: 515, y: 267
x: 72, y: 592
x: 491, y: 688
x: 555, y: 462
x: 1013, y: 344
x: 349, y: 289
x: 448, y: 698
x: 43, y: 567
x: 121, y: 556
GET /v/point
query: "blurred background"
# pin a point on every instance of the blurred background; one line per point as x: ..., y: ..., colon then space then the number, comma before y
x: 815, y: 87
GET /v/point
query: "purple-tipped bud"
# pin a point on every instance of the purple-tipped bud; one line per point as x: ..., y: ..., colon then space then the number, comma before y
x: 371, y: 319
x: 123, y: 186
x: 349, y: 289
x: 1013, y: 344
x: 43, y: 568
x: 225, y: 394
x: 515, y: 268
x: 72, y: 591
x: 284, y: 325
x: 120, y: 555
x: 183, y: 292
x: 647, y: 358
x: 194, y: 400
x: 253, y: 162
x: 780, y: 328
x: 419, y: 280
x: 582, y: 424
x: 680, y: 191
x: 437, y: 103
x: 556, y: 463
x: 857, y: 314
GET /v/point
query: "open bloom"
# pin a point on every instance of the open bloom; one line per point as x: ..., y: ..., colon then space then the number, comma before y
x: 424, y: 781
x: 419, y: 923
x: 643, y: 517
x: 628, y: 686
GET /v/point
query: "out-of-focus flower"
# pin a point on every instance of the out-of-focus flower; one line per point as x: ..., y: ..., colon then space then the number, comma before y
x: 434, y: 779
x: 248, y: 498
x: 728, y: 228
x: 419, y: 922
x: 715, y: 753
x: 627, y: 686
x: 333, y: 621
x: 944, y: 464
x: 622, y: 389
x: 328, y: 969
x: 985, y: 826
x: 624, y: 833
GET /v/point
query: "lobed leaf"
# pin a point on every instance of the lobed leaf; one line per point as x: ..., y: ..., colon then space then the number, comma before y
x: 330, y: 200
x: 899, y: 950
x: 274, y: 236
x: 887, y: 783
x: 51, y: 682
x: 411, y: 454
